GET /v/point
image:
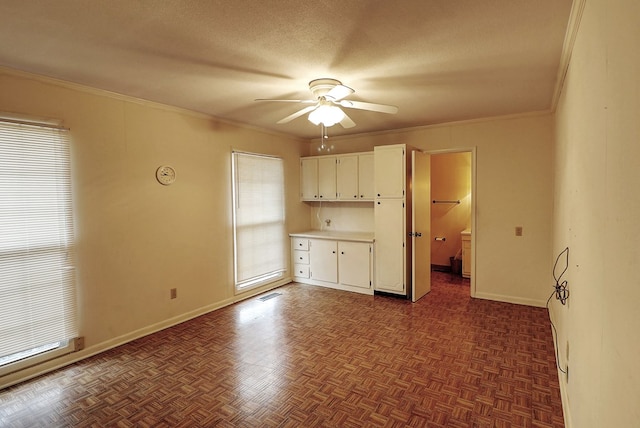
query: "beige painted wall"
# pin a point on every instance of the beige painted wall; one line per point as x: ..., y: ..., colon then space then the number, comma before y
x: 450, y: 180
x: 597, y: 212
x: 136, y: 239
x: 514, y: 183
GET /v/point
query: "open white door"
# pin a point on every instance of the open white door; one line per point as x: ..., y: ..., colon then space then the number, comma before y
x: 421, y: 224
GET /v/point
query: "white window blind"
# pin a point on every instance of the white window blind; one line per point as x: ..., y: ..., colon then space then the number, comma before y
x: 37, y: 280
x: 259, y: 233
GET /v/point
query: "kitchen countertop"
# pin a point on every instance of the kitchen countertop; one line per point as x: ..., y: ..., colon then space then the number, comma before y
x: 335, y: 235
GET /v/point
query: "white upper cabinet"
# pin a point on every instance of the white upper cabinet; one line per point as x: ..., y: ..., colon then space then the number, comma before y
x: 365, y: 177
x: 347, y: 176
x: 327, y: 178
x: 390, y: 171
x: 309, y: 179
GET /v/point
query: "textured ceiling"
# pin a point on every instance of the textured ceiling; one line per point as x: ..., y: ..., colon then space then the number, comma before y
x: 437, y: 60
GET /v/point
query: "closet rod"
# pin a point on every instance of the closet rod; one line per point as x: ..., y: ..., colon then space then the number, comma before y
x: 446, y: 202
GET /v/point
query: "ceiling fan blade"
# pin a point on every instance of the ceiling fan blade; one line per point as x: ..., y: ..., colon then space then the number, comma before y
x: 297, y: 114
x: 382, y: 108
x: 346, y: 122
x: 338, y: 92
x: 288, y: 101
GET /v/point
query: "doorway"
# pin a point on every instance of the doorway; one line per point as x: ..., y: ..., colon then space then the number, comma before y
x: 452, y: 211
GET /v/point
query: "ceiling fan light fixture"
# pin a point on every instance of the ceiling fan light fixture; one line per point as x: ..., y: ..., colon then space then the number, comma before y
x: 327, y: 115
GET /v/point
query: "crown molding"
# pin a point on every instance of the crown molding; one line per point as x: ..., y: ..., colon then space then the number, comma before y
x: 577, y: 8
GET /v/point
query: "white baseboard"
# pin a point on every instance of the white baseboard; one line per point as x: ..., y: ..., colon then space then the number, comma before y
x: 511, y: 299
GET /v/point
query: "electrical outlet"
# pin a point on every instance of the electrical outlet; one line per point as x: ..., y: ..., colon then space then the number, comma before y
x: 518, y: 230
x: 174, y: 293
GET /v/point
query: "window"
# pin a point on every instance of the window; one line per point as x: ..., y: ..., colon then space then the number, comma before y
x: 258, y: 219
x: 37, y: 288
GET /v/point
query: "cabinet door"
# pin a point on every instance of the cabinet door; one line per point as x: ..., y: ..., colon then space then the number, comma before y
x: 354, y: 264
x: 390, y: 251
x: 390, y: 171
x: 327, y: 178
x: 309, y: 179
x: 323, y: 260
x: 365, y: 177
x: 347, y: 177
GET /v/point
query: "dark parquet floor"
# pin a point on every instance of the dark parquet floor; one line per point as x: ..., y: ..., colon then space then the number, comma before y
x: 316, y: 357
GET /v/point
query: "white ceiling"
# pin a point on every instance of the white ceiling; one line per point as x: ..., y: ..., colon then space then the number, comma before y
x: 437, y: 60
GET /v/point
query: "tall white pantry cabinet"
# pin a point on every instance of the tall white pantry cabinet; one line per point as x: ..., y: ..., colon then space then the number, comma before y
x: 392, y: 212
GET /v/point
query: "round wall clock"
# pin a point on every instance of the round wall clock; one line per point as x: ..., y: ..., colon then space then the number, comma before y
x: 166, y: 175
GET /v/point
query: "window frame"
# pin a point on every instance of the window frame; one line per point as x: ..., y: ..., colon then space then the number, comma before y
x: 46, y: 137
x: 277, y: 273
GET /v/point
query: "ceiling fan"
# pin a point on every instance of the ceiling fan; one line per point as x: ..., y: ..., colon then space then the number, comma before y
x: 329, y: 96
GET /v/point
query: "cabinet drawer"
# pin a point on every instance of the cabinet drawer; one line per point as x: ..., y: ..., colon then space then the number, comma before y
x: 301, y: 257
x: 301, y: 244
x: 301, y: 271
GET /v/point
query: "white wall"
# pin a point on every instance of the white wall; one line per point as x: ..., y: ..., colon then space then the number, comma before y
x: 137, y: 239
x: 514, y: 178
x: 597, y: 212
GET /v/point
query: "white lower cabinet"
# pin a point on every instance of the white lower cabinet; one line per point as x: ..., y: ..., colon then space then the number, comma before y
x: 344, y: 265
x: 354, y: 264
x: 323, y: 260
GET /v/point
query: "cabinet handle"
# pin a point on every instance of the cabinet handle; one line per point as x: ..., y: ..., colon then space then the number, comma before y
x: 333, y: 252
x: 320, y: 196
x: 361, y: 196
x: 341, y: 252
x: 378, y: 194
x: 355, y: 196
